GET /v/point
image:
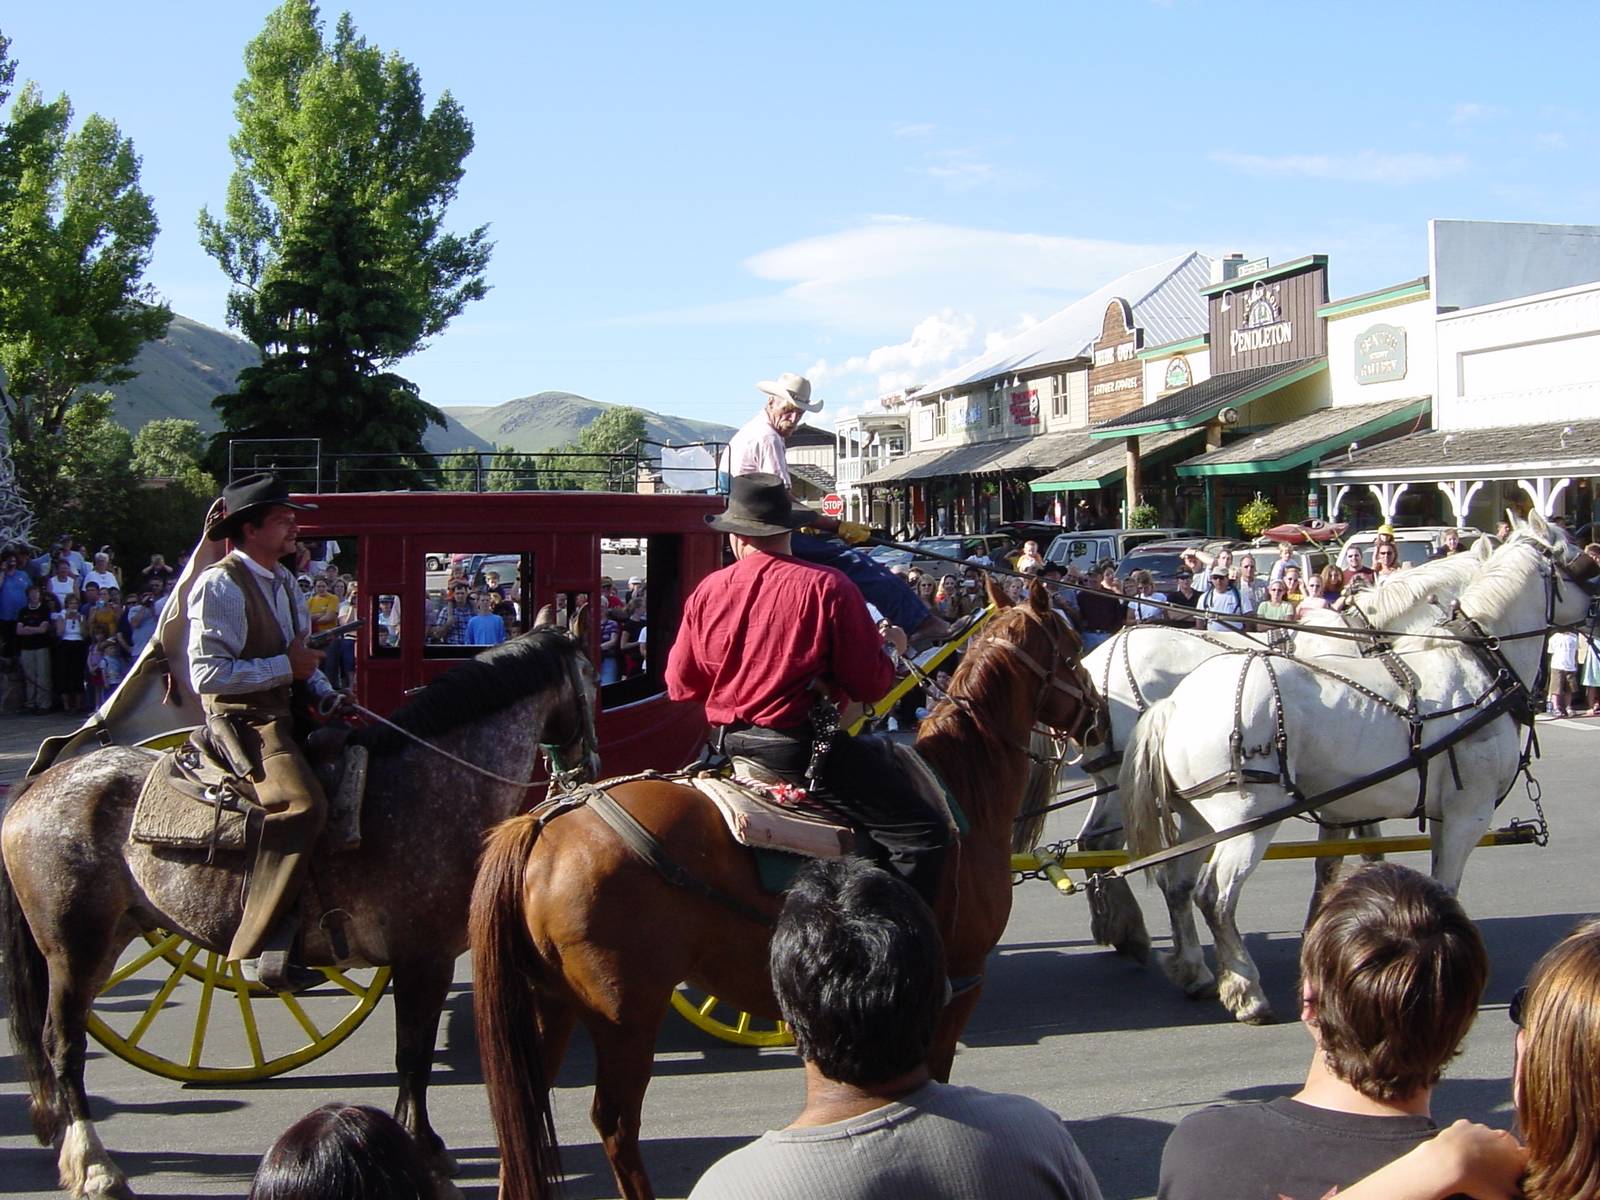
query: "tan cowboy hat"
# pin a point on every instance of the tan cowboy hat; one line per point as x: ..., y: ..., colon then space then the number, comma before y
x: 792, y: 389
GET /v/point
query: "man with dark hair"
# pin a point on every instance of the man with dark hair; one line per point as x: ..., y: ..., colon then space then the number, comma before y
x: 1391, y: 971
x: 859, y: 973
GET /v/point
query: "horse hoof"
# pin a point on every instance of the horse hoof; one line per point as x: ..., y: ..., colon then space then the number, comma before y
x: 1259, y: 1015
x: 103, y: 1184
x: 1137, y: 949
x: 1246, y: 1002
x: 1194, y: 982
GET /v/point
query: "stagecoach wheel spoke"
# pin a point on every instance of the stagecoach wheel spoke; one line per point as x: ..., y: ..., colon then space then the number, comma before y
x: 241, y: 993
x: 721, y: 1020
x: 203, y: 1018
x: 159, y: 948
x: 160, y: 1001
x: 157, y: 1012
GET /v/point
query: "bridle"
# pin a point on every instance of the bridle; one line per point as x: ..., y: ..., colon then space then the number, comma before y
x: 1078, y: 686
x: 564, y: 773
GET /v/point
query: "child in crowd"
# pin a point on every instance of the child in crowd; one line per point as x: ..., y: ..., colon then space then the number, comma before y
x: 486, y: 628
x: 1563, y: 671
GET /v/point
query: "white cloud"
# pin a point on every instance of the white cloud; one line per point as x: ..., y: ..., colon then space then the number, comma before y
x: 1468, y: 111
x: 1368, y: 166
x: 912, y: 129
x: 938, y: 341
x: 1551, y: 141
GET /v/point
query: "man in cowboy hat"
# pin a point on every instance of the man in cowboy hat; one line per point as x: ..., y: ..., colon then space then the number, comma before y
x: 760, y: 447
x: 248, y: 623
x: 758, y: 642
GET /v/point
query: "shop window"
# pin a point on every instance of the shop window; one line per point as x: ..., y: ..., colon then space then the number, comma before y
x: 995, y: 410
x: 1058, y: 396
x: 941, y: 424
x: 471, y: 600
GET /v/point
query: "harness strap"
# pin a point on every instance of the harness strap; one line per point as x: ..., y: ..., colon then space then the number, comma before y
x: 648, y: 847
x: 1500, y: 706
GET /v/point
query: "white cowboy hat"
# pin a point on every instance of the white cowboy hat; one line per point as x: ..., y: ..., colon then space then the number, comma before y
x: 792, y: 389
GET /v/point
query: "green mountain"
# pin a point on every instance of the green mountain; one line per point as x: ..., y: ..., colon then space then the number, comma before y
x: 180, y: 374
x: 550, y: 420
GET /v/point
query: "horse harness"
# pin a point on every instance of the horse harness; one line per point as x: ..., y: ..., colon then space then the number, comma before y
x: 1505, y: 695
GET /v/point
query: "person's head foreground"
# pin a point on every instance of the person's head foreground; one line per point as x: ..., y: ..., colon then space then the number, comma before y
x: 1391, y: 971
x: 343, y: 1152
x: 859, y: 972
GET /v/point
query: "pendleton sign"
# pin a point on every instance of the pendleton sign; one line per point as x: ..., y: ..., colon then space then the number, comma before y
x: 1270, y: 318
x: 1116, y: 376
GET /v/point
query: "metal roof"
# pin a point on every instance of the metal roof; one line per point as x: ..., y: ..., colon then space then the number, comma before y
x: 1166, y: 302
x: 1045, y: 452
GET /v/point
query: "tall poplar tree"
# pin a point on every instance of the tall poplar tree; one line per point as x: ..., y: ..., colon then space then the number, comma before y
x: 75, y: 238
x: 333, y: 235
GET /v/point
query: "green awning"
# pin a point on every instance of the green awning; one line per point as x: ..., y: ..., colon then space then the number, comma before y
x: 1106, y: 464
x: 1305, y: 439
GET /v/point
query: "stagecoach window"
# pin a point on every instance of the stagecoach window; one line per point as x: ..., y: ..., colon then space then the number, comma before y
x: 471, y: 599
x: 325, y: 570
x: 636, y: 633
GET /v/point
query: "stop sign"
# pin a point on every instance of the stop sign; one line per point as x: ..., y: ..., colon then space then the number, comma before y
x: 833, y: 505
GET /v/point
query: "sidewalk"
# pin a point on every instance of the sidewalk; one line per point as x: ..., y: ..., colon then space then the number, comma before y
x: 20, y: 737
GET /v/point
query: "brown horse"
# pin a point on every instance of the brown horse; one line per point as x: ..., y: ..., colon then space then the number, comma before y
x: 75, y: 890
x: 568, y: 924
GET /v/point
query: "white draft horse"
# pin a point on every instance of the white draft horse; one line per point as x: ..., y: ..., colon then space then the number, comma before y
x: 1143, y: 664
x: 1221, y: 749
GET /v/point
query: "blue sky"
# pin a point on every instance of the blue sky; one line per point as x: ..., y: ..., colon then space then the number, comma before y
x: 689, y: 198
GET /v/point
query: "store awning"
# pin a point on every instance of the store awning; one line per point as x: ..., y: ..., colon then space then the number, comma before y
x: 1194, y: 406
x: 1107, y: 464
x: 1045, y: 452
x: 1551, y: 450
x: 900, y: 469
x: 1305, y: 439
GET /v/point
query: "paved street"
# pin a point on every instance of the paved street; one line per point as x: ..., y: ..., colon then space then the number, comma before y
x: 1107, y: 1043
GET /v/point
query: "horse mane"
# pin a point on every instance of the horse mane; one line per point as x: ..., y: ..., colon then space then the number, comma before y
x: 1411, y: 587
x: 970, y: 771
x: 476, y: 688
x: 1501, y: 581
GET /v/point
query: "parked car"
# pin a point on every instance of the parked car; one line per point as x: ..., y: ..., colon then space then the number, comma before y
x: 1162, y: 559
x: 1080, y: 551
x: 1417, y: 543
x: 1311, y: 558
x: 1043, y: 532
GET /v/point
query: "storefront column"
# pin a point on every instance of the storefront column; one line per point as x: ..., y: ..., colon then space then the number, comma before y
x: 1388, y: 495
x: 1131, y: 475
x: 1459, y: 493
x: 1544, y: 492
x: 1336, y: 494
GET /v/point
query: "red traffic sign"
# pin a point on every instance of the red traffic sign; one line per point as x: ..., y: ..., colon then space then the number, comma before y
x: 833, y: 505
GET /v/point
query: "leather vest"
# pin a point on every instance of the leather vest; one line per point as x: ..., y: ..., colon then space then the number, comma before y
x: 263, y: 638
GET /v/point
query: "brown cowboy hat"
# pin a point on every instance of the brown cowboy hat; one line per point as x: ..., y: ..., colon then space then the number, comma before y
x: 759, y: 506
x: 250, y: 494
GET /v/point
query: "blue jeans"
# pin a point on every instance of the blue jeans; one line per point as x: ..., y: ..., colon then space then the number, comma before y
x: 888, y: 593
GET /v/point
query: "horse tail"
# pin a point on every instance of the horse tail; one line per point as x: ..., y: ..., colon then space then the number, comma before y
x: 505, y: 1010
x: 1144, y: 786
x: 28, y: 999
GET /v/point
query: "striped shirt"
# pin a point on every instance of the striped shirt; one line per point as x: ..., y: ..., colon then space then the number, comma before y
x: 217, y: 633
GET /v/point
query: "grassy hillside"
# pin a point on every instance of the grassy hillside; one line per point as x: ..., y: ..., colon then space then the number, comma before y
x: 549, y: 420
x: 179, y: 376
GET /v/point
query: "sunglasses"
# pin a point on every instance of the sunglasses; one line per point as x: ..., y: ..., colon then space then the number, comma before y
x: 1514, y: 1009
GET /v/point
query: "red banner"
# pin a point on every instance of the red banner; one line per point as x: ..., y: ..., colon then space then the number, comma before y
x: 1025, y: 407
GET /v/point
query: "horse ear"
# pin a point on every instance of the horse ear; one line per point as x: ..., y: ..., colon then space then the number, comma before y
x: 1483, y: 549
x: 545, y: 617
x: 1038, y: 598
x: 997, y: 596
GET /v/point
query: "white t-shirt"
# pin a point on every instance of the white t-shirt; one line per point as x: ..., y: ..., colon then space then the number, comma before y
x: 104, y: 579
x: 758, y: 448
x: 60, y: 588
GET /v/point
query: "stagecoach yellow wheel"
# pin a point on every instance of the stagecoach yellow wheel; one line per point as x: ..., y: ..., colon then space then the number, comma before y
x: 722, y: 1020
x: 175, y: 1009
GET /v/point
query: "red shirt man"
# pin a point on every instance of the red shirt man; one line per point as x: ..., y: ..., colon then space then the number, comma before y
x: 757, y: 635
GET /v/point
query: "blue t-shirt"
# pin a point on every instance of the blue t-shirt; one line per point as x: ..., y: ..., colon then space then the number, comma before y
x: 486, y: 629
x: 13, y: 594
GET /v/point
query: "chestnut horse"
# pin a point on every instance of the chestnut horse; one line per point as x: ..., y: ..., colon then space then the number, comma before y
x: 568, y: 924
x: 75, y: 890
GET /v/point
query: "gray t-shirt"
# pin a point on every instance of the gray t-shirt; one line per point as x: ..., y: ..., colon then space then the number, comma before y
x: 939, y: 1143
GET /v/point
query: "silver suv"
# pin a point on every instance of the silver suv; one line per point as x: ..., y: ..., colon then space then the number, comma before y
x: 1080, y: 551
